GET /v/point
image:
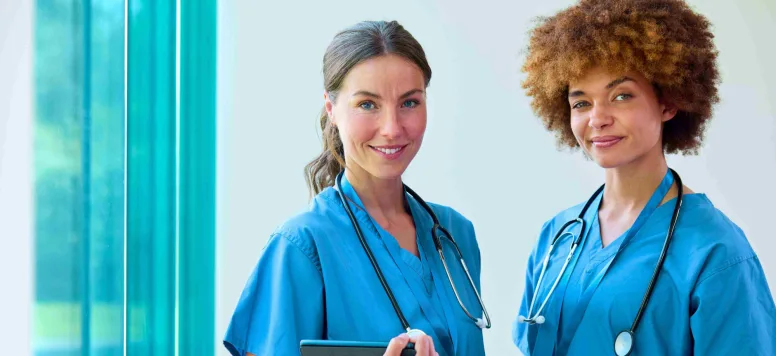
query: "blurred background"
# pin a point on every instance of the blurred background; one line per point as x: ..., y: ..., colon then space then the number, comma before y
x: 149, y: 148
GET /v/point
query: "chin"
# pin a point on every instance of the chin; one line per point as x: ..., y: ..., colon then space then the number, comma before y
x: 609, y: 160
x: 388, y: 172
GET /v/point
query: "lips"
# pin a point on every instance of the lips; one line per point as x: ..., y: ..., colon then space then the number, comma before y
x: 605, y: 141
x: 389, y: 152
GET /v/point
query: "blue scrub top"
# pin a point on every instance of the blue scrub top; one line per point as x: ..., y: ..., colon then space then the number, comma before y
x: 314, y: 281
x: 711, y: 297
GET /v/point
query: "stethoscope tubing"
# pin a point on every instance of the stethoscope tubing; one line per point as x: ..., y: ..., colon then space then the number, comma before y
x: 437, y: 244
x: 537, y: 318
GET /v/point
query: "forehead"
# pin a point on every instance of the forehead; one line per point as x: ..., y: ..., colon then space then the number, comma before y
x: 386, y: 72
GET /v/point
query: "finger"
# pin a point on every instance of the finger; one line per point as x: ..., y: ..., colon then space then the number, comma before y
x: 396, y: 345
x: 431, y: 347
x: 420, y: 345
x: 424, y: 346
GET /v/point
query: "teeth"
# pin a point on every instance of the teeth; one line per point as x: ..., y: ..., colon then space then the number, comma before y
x: 389, y: 151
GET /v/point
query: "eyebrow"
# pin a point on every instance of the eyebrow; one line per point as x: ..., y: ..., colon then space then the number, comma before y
x: 367, y: 93
x: 611, y: 84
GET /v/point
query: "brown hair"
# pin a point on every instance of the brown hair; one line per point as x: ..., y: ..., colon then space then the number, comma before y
x: 350, y: 47
x: 664, y: 40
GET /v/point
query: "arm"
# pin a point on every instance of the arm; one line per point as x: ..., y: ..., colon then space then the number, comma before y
x: 520, y: 331
x: 281, y: 304
x: 733, y: 312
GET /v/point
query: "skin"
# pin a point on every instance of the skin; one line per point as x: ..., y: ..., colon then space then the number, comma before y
x: 424, y: 346
x: 381, y: 104
x: 617, y: 119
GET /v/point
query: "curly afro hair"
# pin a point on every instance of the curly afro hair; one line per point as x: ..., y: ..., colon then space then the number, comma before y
x: 664, y: 40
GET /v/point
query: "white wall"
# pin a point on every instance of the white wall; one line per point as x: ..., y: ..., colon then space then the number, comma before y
x: 270, y: 92
x: 16, y: 235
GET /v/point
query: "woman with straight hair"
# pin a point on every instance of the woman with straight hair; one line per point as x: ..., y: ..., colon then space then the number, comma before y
x: 369, y: 259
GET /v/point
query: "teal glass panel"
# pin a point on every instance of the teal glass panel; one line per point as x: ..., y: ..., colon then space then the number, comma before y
x: 197, y: 177
x: 151, y: 169
x: 79, y: 177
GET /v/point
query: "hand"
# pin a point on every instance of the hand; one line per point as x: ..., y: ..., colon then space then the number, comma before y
x: 424, y: 345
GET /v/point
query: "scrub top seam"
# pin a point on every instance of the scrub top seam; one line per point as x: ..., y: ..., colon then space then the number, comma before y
x: 243, y: 341
x: 294, y: 240
x: 727, y: 265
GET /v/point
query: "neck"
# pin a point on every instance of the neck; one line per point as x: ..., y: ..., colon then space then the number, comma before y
x: 629, y: 187
x: 382, y: 196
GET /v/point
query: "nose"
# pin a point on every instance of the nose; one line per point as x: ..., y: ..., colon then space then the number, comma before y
x: 390, y: 126
x: 600, y: 116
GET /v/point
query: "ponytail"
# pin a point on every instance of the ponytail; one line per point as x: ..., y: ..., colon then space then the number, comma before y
x: 321, y: 172
x: 351, y: 46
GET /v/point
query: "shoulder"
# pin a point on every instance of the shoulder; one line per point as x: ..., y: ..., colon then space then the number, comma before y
x: 713, y: 240
x: 551, y: 226
x: 302, y: 230
x: 448, y: 216
x: 557, y: 221
x: 565, y: 215
x: 711, y: 225
x: 459, y: 226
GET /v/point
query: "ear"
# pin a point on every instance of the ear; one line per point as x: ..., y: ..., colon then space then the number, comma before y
x: 329, y: 106
x: 669, y: 111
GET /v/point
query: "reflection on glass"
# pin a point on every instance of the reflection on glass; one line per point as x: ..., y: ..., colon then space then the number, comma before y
x: 79, y: 177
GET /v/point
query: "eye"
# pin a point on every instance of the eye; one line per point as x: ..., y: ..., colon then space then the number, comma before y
x: 623, y: 97
x: 410, y: 103
x: 367, y: 105
x: 579, y: 104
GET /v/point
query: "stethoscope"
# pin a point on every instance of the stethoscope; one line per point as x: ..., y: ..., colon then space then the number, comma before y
x: 623, y: 344
x: 437, y: 243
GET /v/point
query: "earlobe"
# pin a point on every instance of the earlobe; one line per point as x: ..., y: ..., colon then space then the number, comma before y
x: 669, y: 111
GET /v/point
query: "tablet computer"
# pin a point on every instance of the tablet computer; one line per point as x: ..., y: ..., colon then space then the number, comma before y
x: 347, y: 348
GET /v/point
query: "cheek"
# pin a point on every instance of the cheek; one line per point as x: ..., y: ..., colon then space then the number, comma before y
x: 647, y: 127
x: 415, y: 125
x: 578, y: 126
x: 356, y: 129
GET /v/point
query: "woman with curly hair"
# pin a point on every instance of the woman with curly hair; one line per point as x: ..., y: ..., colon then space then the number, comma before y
x: 646, y: 265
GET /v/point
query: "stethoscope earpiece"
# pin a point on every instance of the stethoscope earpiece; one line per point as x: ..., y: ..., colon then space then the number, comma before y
x: 539, y: 319
x: 481, y: 323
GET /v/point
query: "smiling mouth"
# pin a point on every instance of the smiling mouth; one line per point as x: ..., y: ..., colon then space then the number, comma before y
x: 606, y: 142
x: 389, y: 152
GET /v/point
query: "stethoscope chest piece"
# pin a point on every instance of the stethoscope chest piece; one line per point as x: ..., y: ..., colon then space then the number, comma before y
x: 415, y: 332
x: 623, y: 344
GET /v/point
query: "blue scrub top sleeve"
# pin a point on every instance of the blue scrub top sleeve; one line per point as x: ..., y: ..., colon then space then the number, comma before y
x: 520, y: 331
x: 281, y: 304
x: 476, y: 273
x: 733, y: 311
